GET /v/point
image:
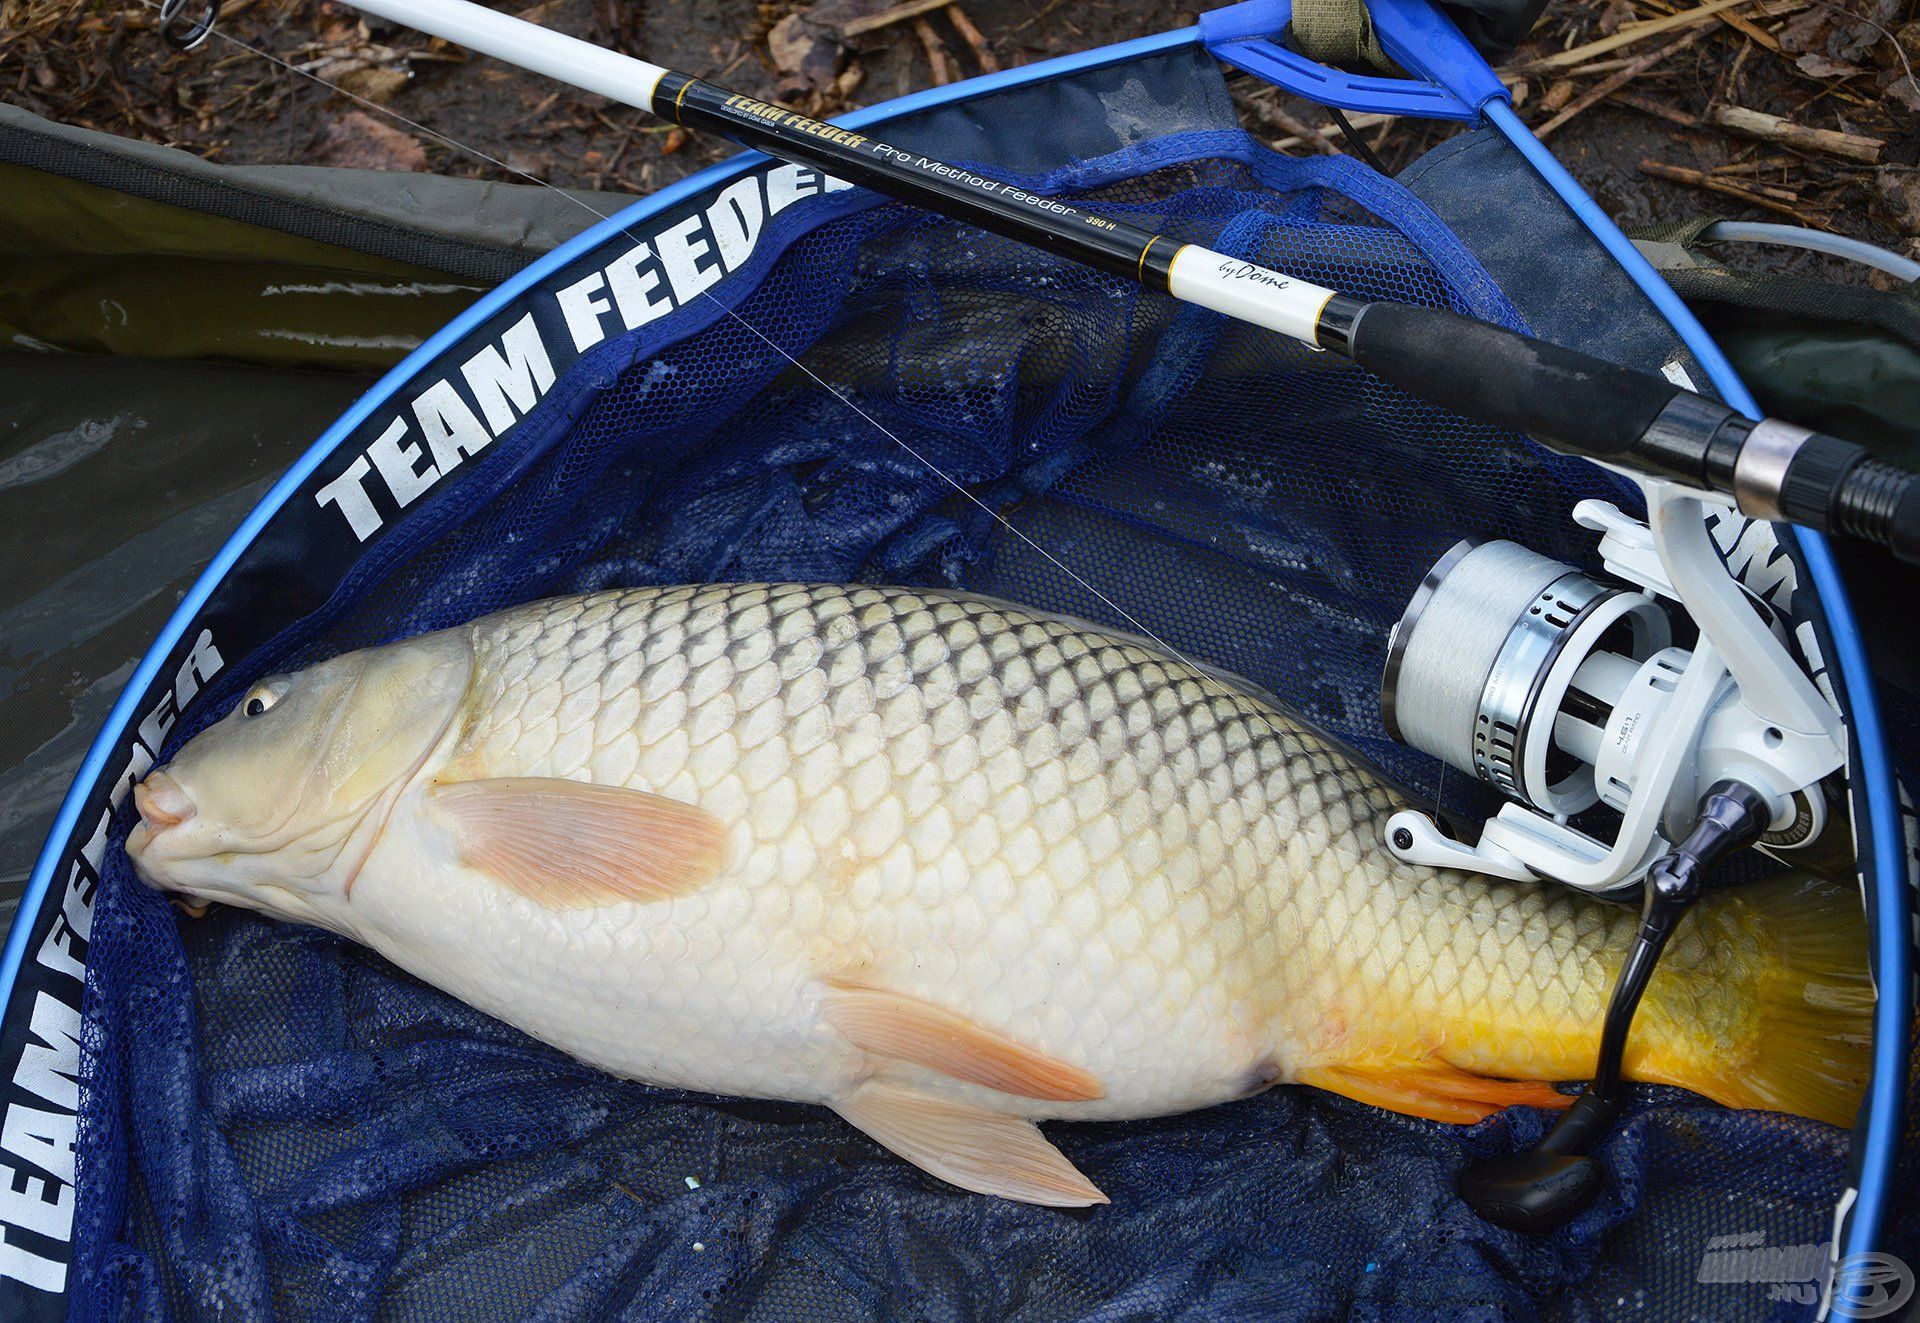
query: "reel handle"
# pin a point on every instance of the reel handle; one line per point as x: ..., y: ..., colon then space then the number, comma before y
x: 1582, y: 405
x: 1543, y: 1188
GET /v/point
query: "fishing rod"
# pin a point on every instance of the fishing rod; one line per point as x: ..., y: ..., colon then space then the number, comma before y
x: 1569, y: 401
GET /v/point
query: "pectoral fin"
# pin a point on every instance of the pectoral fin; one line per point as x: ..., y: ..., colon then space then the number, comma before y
x: 569, y: 845
x: 975, y: 1149
x: 1431, y: 1089
x: 890, y: 1025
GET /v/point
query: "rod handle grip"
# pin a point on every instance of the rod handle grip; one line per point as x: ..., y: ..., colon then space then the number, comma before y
x: 1578, y: 404
x: 1567, y: 400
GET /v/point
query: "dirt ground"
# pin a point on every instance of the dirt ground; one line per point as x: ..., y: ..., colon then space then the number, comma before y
x: 1795, y: 110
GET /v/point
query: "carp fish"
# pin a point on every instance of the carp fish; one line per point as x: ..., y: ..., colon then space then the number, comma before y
x: 949, y: 867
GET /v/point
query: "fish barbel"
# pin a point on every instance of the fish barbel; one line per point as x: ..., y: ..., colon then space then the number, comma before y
x: 950, y: 867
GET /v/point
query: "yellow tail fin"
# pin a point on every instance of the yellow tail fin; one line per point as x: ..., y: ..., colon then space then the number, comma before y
x: 1788, y: 1028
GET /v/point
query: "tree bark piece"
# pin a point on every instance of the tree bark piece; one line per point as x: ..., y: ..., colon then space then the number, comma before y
x: 1601, y: 91
x: 1303, y: 134
x: 1772, y: 128
x: 1658, y: 109
x: 938, y: 61
x: 1320, y: 139
x: 1764, y: 196
x: 886, y: 17
x: 1747, y: 27
x: 982, y: 52
x: 1633, y: 32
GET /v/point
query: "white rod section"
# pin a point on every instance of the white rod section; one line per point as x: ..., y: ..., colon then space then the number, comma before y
x: 1239, y: 289
x: 1247, y: 292
x: 528, y: 45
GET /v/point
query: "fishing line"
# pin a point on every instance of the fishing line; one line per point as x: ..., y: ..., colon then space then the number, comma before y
x: 878, y: 426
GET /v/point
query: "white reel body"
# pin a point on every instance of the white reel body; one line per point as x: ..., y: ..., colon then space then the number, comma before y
x: 1565, y: 693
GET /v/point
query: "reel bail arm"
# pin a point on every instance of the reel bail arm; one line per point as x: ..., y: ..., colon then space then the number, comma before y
x: 1541, y: 1189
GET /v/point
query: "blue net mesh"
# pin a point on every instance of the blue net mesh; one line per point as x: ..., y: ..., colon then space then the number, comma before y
x: 279, y: 1124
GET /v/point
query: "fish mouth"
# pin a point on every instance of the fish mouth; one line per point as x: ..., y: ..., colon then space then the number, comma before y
x: 161, y: 801
x: 163, y: 805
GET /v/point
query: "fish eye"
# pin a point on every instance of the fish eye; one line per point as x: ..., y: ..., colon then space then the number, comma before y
x: 259, y: 699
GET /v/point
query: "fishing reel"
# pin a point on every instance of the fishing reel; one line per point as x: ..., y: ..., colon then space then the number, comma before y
x: 1568, y: 695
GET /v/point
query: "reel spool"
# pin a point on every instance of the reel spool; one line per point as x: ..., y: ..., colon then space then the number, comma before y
x: 1536, y: 709
x: 1566, y: 694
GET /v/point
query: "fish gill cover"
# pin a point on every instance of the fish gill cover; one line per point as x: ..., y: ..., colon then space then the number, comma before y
x: 276, y: 1123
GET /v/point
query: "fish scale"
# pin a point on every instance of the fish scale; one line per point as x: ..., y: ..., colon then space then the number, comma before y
x: 945, y: 864
x: 954, y: 730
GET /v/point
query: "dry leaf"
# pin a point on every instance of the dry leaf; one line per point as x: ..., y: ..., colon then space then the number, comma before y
x: 375, y: 83
x: 1616, y: 13
x: 790, y: 42
x: 1894, y: 54
x: 806, y: 54
x: 1819, y: 66
x: 1885, y: 281
x: 834, y: 16
x: 356, y: 140
x: 1806, y: 31
x: 1856, y: 33
x: 1835, y: 32
x: 533, y: 164
x: 1897, y: 189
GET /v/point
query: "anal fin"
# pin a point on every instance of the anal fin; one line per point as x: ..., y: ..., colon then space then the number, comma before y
x: 905, y: 1028
x: 976, y: 1149
x: 1431, y: 1089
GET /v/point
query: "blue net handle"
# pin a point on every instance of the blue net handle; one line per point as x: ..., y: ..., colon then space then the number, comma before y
x: 1450, y: 80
